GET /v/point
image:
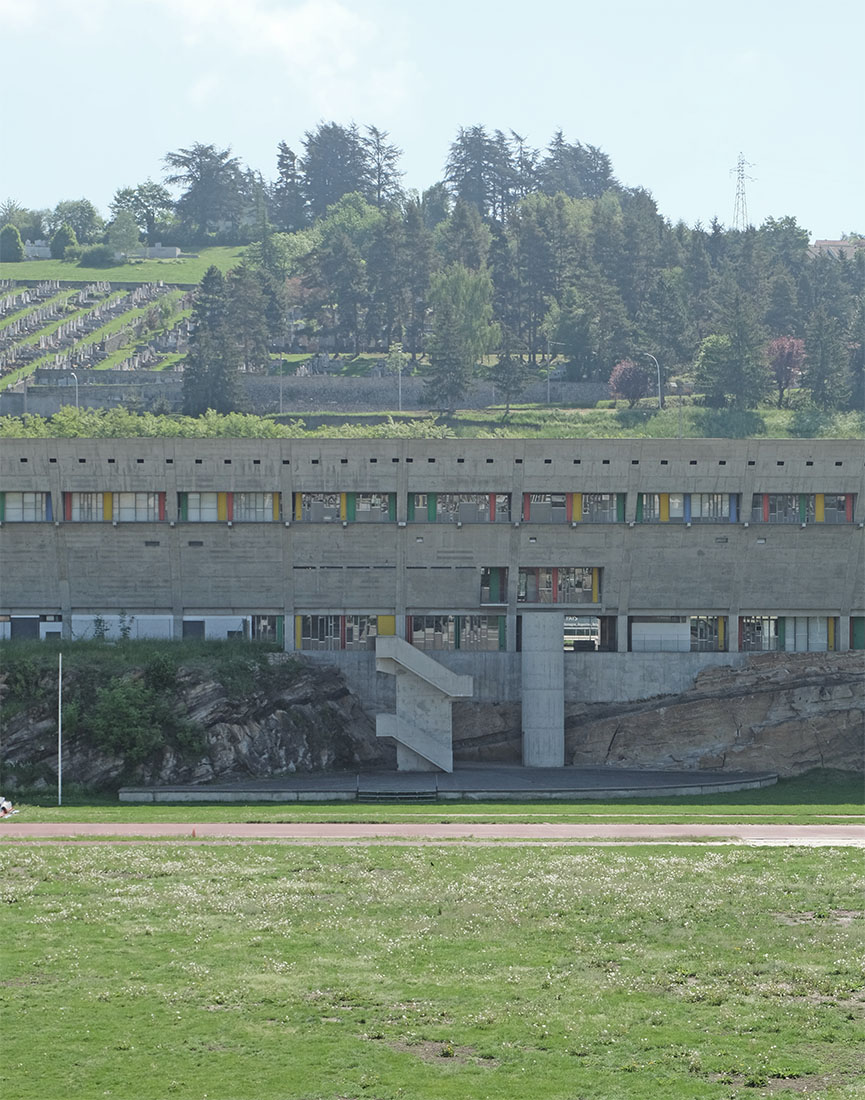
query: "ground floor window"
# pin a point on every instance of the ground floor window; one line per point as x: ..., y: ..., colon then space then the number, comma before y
x: 789, y: 633
x: 677, y: 634
x: 349, y: 632
x: 451, y: 632
x: 590, y: 633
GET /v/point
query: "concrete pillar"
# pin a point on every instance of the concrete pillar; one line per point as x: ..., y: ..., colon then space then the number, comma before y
x: 842, y: 634
x: 543, y: 690
x: 621, y: 633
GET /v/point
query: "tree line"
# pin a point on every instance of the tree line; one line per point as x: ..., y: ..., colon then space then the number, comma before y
x: 516, y: 257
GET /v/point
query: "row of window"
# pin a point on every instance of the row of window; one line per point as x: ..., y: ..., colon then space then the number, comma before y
x: 646, y: 634
x: 456, y: 508
x: 444, y: 631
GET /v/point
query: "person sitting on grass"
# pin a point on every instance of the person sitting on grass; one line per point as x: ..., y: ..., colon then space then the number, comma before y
x: 6, y: 807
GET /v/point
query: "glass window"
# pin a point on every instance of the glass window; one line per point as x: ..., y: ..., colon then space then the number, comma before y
x: 371, y: 507
x: 708, y: 634
x: 361, y: 631
x: 760, y: 633
x: 547, y: 508
x: 320, y: 632
x: 494, y: 584
x: 86, y: 507
x: 452, y: 632
x: 25, y: 507
x: 201, y: 507
x: 835, y: 508
x: 574, y: 585
x: 253, y: 507
x: 709, y: 507
x: 319, y: 507
x: 131, y: 507
x: 599, y: 507
x: 651, y: 507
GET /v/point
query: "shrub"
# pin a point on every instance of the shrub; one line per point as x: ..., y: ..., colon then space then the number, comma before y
x: 98, y: 255
x: 11, y: 247
x: 63, y: 240
x: 123, y: 720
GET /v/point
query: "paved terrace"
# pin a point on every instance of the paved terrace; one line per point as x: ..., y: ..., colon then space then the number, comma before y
x: 479, y: 782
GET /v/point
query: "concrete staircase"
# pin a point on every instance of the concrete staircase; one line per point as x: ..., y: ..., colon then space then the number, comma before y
x: 421, y: 726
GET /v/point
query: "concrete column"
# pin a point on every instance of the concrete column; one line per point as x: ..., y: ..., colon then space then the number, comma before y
x: 842, y: 634
x: 621, y: 633
x: 732, y: 633
x: 543, y: 690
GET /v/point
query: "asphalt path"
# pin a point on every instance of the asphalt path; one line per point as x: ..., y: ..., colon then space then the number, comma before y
x: 405, y: 832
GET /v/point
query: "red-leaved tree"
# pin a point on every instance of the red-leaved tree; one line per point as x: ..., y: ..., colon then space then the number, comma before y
x: 629, y: 380
x: 785, y: 355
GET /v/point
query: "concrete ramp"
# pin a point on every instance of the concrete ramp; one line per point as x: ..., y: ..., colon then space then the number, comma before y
x: 422, y: 725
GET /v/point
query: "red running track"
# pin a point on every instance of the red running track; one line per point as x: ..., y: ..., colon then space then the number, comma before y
x: 336, y: 832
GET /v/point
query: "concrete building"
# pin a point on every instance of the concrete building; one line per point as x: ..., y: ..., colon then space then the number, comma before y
x: 637, y: 561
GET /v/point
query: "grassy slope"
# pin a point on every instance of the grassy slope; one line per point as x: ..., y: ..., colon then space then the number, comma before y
x: 188, y: 270
x: 430, y: 974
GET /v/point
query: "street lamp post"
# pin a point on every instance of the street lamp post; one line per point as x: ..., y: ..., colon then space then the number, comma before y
x: 74, y: 378
x: 674, y: 386
x: 658, y: 369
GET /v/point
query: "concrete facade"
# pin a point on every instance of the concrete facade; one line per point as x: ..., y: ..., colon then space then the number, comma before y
x: 348, y: 544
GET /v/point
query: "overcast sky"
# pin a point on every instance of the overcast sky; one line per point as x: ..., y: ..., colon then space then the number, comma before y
x: 97, y: 91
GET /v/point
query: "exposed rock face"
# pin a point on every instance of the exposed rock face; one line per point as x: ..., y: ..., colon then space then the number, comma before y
x: 311, y: 723
x: 787, y: 713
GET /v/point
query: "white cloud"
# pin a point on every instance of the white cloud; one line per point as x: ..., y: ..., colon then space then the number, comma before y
x: 325, y: 48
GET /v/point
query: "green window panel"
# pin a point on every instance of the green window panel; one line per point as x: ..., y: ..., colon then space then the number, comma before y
x: 410, y: 507
x: 183, y: 501
x: 351, y: 507
x: 640, y: 508
x: 857, y: 632
x: 431, y: 505
x: 620, y: 507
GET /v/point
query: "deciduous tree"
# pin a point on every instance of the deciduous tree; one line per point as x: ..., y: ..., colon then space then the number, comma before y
x: 786, y: 356
x: 629, y: 380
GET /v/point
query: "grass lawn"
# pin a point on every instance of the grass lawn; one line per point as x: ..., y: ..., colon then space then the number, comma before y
x: 819, y: 798
x: 251, y: 972
x: 188, y: 270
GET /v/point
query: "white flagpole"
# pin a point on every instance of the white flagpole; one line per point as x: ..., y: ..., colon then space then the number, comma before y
x: 59, y: 729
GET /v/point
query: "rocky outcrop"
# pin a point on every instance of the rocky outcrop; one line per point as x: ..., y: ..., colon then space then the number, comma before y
x: 304, y: 721
x: 787, y: 713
